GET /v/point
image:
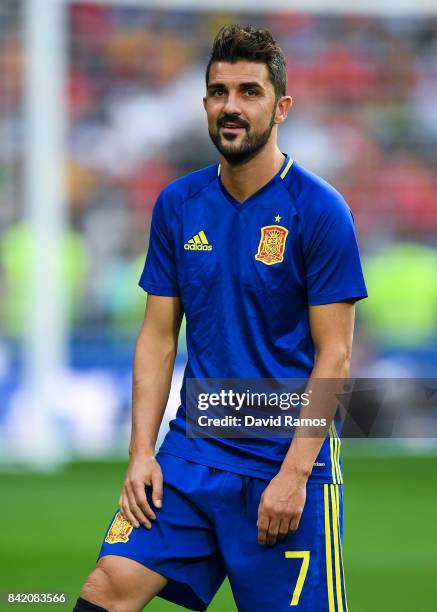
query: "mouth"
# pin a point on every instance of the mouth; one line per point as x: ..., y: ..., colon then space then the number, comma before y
x: 231, y: 127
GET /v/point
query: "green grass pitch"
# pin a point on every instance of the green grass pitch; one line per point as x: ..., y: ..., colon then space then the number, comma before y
x: 51, y: 528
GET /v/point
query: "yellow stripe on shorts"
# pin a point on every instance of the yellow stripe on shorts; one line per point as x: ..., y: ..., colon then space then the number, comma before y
x: 334, y: 558
x: 336, y: 538
x: 328, y: 549
x: 337, y: 501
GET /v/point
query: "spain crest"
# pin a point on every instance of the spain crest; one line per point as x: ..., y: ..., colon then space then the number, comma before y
x: 272, y: 244
x: 119, y: 530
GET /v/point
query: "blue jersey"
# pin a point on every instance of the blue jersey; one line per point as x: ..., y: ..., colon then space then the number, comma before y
x: 246, y: 274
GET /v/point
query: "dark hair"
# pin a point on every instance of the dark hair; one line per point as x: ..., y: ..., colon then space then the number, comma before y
x: 234, y: 43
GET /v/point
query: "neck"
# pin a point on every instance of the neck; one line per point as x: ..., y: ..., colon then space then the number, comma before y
x: 244, y: 180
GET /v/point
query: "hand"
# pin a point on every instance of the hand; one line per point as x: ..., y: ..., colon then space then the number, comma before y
x: 143, y: 470
x: 280, y: 507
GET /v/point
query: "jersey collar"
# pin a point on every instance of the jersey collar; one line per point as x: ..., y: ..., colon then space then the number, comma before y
x: 279, y: 176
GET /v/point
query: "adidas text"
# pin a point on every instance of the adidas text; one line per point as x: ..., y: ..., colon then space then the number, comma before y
x: 197, y: 247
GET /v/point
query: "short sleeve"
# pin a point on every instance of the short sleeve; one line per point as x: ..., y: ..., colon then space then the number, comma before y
x: 159, y: 273
x: 332, y: 259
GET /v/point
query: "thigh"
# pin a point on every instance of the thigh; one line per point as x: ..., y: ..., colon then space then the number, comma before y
x: 181, y: 545
x: 303, y: 572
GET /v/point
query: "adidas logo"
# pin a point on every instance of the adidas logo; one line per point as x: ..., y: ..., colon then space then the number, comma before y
x: 199, y: 242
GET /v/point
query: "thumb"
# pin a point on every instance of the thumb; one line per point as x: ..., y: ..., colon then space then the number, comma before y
x: 157, y: 489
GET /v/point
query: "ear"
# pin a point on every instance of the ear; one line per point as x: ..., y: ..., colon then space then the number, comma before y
x: 204, y: 102
x: 283, y: 106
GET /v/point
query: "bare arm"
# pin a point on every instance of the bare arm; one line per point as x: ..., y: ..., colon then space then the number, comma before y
x: 154, y: 358
x: 332, y: 332
x: 282, y: 502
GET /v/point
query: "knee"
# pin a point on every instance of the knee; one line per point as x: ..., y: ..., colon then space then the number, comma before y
x: 101, y: 588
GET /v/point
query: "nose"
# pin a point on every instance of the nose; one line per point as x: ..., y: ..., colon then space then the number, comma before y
x: 232, y: 106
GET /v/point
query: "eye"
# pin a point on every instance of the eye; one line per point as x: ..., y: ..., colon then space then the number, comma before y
x: 218, y: 93
x: 251, y: 93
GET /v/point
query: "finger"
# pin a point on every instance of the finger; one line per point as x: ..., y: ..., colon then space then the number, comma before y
x: 294, y: 524
x: 138, y: 489
x: 140, y: 496
x: 272, y: 532
x: 137, y: 499
x: 127, y: 514
x: 157, y: 488
x: 263, y: 525
x: 284, y: 527
x: 134, y: 508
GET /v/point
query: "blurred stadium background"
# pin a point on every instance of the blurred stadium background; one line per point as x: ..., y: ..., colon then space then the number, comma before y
x: 100, y: 107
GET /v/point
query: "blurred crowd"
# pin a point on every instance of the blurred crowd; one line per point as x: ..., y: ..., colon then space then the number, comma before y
x: 365, y: 94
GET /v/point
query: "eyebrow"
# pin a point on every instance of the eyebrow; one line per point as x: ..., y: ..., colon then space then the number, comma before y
x: 247, y: 85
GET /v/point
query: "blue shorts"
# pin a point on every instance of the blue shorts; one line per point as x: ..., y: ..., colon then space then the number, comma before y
x: 206, y: 530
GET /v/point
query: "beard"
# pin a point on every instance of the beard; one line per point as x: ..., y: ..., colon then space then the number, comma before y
x: 250, y: 145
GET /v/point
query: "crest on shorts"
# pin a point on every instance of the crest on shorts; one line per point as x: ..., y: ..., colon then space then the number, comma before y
x: 119, y: 530
x: 272, y: 244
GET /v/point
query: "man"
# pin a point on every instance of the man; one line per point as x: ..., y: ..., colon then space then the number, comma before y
x: 262, y: 258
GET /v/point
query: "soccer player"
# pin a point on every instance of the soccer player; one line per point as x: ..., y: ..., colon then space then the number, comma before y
x: 261, y: 256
